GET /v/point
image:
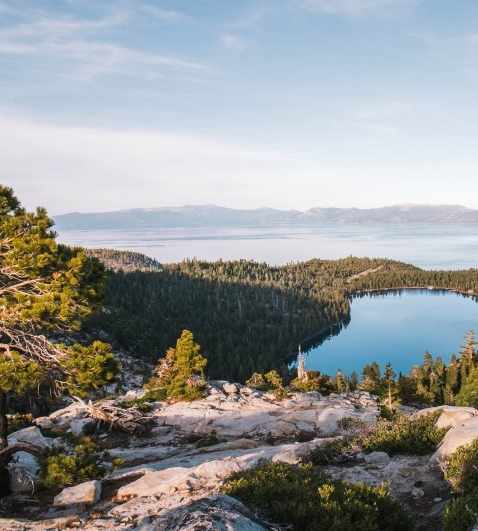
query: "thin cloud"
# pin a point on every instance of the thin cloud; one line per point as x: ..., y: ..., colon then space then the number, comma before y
x: 60, y: 38
x: 8, y: 10
x: 353, y: 7
x: 234, y: 42
x: 162, y: 14
x: 93, y: 59
x: 252, y: 19
x: 460, y: 51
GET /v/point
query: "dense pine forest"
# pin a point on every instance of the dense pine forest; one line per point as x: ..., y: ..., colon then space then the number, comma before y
x: 248, y: 317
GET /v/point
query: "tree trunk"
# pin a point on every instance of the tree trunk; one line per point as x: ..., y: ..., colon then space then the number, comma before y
x: 4, y: 475
x: 3, y: 420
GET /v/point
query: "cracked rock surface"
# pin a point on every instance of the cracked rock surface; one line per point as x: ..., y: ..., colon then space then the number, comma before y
x: 168, y: 482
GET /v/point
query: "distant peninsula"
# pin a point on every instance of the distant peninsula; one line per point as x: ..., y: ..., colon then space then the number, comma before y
x: 212, y: 215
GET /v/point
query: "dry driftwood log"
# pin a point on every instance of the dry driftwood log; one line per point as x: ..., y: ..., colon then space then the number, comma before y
x: 125, y: 419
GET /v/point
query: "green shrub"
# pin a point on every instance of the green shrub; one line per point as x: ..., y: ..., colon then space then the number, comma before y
x: 461, y: 468
x: 461, y: 514
x: 307, y: 500
x: 143, y: 403
x: 155, y: 395
x: 404, y: 436
x: 398, y: 436
x: 61, y: 469
x: 352, y: 425
x: 461, y: 471
x: 211, y: 440
x: 256, y: 381
x: 139, y: 403
x: 335, y: 452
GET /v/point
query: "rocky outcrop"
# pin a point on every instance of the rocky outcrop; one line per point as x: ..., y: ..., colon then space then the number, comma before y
x: 171, y: 476
x: 24, y: 467
x: 202, y: 472
x: 60, y: 421
x: 237, y: 411
x: 463, y: 424
x: 87, y: 493
x: 219, y: 513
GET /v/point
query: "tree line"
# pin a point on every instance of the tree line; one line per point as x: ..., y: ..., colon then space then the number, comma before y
x: 248, y: 316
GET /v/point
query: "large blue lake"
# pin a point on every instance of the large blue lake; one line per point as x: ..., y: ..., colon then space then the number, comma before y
x: 397, y: 327
x: 428, y: 246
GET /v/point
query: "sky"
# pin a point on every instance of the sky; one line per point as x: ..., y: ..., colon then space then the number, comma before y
x: 290, y: 104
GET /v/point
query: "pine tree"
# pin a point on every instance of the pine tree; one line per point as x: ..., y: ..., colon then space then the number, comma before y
x: 452, y: 380
x: 176, y: 373
x: 340, y: 383
x: 389, y: 387
x: 467, y: 357
x: 371, y: 378
x: 468, y: 395
x: 44, y: 288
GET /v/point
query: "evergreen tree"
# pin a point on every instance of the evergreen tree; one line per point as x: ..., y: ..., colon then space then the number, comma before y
x: 44, y: 288
x: 257, y: 381
x: 371, y: 378
x: 468, y: 395
x: 177, y: 372
x: 389, y: 387
x: 340, y: 383
x: 467, y: 357
x: 423, y: 378
x: 353, y: 381
x: 437, y: 381
x: 452, y: 380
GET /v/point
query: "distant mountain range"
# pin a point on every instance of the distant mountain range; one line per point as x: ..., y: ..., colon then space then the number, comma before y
x: 207, y: 215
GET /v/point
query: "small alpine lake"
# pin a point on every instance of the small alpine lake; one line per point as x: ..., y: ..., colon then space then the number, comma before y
x: 396, y: 326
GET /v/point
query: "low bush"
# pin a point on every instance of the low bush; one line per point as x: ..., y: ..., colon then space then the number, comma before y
x: 401, y: 435
x: 461, y: 468
x: 461, y: 514
x: 211, y: 440
x: 308, y: 500
x: 461, y: 471
x: 143, y: 403
x: 83, y: 463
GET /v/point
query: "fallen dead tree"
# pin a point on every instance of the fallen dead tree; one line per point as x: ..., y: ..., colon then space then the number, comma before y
x: 129, y: 420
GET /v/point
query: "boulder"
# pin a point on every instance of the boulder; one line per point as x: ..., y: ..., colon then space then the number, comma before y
x: 203, y: 473
x: 87, y: 493
x: 59, y: 421
x: 219, y: 513
x: 459, y: 435
x: 230, y: 388
x: 451, y: 415
x: 31, y: 436
x: 80, y: 427
x: 24, y: 467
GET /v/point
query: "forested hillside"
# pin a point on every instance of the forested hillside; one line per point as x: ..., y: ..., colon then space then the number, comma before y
x: 124, y: 260
x: 247, y: 316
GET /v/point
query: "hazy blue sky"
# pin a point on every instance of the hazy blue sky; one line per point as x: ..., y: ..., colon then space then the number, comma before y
x: 291, y: 104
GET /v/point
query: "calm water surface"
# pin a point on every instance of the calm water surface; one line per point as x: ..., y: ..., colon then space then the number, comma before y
x: 427, y: 246
x: 397, y: 327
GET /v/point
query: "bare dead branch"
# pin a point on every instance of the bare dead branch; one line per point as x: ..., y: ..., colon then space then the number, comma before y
x: 6, y: 454
x: 36, y: 348
x: 125, y: 419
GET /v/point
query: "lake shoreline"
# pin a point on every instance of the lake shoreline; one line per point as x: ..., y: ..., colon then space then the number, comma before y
x: 398, y: 330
